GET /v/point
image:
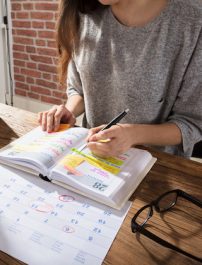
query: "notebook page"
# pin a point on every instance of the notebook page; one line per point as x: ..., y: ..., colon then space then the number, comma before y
x: 42, y: 149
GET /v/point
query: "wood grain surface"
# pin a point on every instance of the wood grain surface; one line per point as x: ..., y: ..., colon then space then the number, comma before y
x: 182, y: 226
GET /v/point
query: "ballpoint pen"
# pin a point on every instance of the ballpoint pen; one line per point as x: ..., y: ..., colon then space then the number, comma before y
x: 111, y: 123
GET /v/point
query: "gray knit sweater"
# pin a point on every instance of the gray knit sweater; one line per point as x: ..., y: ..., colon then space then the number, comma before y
x: 155, y: 70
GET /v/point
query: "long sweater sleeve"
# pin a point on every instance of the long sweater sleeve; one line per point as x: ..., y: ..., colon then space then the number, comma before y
x: 187, y: 110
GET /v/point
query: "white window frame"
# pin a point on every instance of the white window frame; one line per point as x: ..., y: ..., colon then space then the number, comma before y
x: 6, y: 92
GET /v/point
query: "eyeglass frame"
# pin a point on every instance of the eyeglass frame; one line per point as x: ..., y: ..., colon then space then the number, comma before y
x: 135, y: 227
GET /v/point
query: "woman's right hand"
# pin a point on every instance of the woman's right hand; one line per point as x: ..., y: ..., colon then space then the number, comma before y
x: 50, y: 120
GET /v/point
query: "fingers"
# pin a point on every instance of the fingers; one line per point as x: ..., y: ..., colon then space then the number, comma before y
x: 108, y: 142
x: 57, y: 117
x: 105, y: 134
x: 102, y: 149
x: 98, y: 149
x: 44, y: 121
x: 50, y: 120
x: 93, y: 131
x: 40, y: 114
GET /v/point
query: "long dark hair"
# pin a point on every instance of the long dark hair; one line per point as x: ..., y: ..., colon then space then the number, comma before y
x: 68, y: 28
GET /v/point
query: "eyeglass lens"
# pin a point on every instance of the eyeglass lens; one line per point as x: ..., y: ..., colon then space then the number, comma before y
x: 167, y: 201
x: 143, y: 216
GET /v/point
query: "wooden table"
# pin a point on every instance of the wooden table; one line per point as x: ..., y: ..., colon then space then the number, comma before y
x: 182, y: 226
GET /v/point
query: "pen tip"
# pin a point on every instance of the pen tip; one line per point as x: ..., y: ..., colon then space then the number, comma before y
x: 127, y: 110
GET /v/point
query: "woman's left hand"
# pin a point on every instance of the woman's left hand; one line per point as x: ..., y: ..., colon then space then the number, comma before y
x: 110, y: 142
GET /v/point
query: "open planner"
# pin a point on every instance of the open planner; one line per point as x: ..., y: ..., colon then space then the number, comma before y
x: 56, y: 157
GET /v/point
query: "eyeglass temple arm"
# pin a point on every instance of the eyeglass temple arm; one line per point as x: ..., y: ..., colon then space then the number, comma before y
x: 190, y: 198
x: 167, y: 244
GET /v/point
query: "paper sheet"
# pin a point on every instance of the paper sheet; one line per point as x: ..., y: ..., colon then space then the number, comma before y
x: 41, y: 223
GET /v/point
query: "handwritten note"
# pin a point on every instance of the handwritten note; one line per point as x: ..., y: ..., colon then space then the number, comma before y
x: 44, y: 148
x: 41, y: 223
x: 92, y: 173
x: 111, y: 164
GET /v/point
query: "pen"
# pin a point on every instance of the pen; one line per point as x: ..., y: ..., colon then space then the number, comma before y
x: 111, y: 123
x: 115, y: 120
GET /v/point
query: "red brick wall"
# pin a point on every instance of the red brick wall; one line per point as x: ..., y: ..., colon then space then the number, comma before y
x: 34, y: 50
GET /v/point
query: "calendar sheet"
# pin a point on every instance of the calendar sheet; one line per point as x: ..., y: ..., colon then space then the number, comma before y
x: 41, y: 223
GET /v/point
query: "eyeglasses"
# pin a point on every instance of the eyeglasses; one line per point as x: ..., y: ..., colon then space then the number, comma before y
x: 164, y: 203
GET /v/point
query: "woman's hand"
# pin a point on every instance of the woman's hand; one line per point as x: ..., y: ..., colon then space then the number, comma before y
x: 50, y: 120
x: 119, y: 138
x: 111, y: 142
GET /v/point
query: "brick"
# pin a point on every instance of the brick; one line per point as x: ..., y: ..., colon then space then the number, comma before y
x: 38, y: 24
x: 55, y: 78
x: 23, y: 40
x: 22, y: 15
x: 16, y: 70
x: 21, y: 85
x: 31, y: 65
x: 47, y: 51
x: 22, y: 56
x: 40, y: 90
x: 51, y: 44
x: 16, y: 6
x: 40, y: 42
x: 19, y: 63
x: 45, y: 83
x: 30, y: 49
x: 60, y: 95
x: 46, y: 34
x: 13, y: 15
x: 30, y: 80
x: 21, y: 24
x: 47, y: 76
x: 19, y: 78
x: 41, y: 59
x: 31, y: 73
x: 17, y: 47
x: 47, y: 68
x: 26, y: 32
x: 20, y: 92
x: 33, y: 95
x: 46, y: 6
x: 42, y: 15
x: 51, y: 25
x: 50, y: 100
x: 28, y: 6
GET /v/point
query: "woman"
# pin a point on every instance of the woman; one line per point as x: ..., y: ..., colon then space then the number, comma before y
x: 142, y: 55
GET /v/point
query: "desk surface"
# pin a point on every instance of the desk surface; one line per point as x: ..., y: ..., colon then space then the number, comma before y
x: 182, y: 226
